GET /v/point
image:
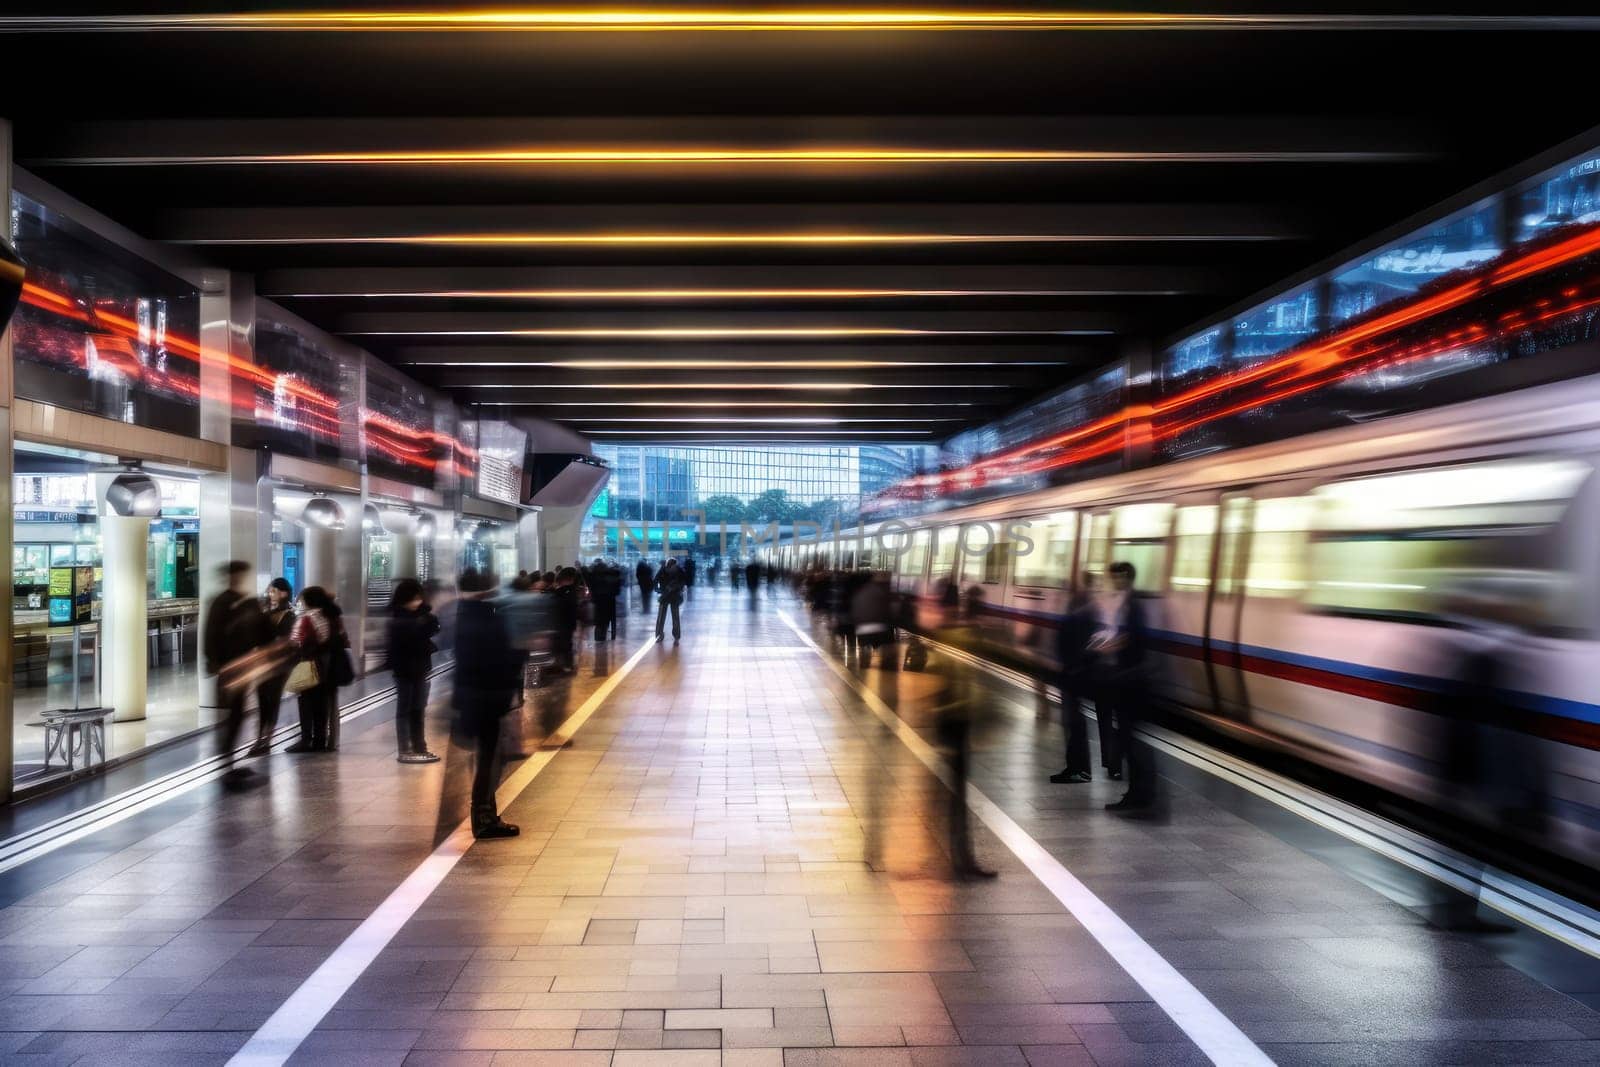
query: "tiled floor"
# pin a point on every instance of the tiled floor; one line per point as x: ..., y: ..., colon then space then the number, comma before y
x: 693, y: 886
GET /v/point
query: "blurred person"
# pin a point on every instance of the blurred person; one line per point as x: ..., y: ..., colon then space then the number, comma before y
x: 279, y: 613
x: 486, y: 669
x: 568, y: 609
x: 605, y: 585
x: 341, y: 667
x: 1121, y: 644
x: 645, y: 576
x: 1075, y: 669
x: 412, y: 628
x: 671, y: 584
x: 532, y: 612
x: 312, y: 638
x: 752, y: 577
x: 872, y: 621
x: 688, y: 584
x: 959, y: 707
x: 235, y: 629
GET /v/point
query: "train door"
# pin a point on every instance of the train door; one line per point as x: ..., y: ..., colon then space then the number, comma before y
x: 1041, y: 575
x: 1189, y: 599
x: 1231, y: 695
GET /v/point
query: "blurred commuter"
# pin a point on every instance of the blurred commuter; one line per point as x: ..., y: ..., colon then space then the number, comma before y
x: 235, y: 631
x: 671, y: 583
x: 688, y: 583
x: 959, y: 709
x: 566, y: 594
x: 645, y: 576
x: 341, y: 668
x: 313, y: 639
x: 485, y: 679
x: 1121, y: 643
x: 752, y: 578
x: 1074, y: 672
x: 269, y: 693
x: 872, y: 620
x: 605, y: 585
x: 412, y: 628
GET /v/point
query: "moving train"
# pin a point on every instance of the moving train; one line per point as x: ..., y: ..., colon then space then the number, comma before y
x: 1311, y: 595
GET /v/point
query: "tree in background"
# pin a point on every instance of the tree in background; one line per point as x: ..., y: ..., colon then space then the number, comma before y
x: 773, y: 505
x: 724, y: 507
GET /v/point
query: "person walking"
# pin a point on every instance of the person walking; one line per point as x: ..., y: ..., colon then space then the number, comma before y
x: 485, y: 672
x: 269, y: 693
x: 341, y: 668
x: 1075, y: 666
x: 872, y: 621
x: 752, y: 577
x: 312, y: 639
x: 645, y: 576
x: 688, y: 579
x: 959, y: 709
x: 566, y: 594
x: 1122, y: 643
x: 604, y: 587
x: 412, y: 628
x: 671, y: 582
x: 235, y: 629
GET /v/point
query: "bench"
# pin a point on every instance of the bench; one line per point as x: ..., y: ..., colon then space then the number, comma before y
x: 69, y: 733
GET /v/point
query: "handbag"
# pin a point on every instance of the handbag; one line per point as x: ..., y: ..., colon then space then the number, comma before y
x: 304, y: 677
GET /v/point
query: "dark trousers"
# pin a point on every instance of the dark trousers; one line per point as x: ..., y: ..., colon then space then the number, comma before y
x: 956, y: 733
x: 268, y: 698
x: 231, y: 725
x: 410, y: 704
x: 1130, y: 704
x: 316, y: 713
x: 605, y: 616
x: 1073, y: 723
x: 661, y: 617
x: 644, y: 598
x: 486, y: 771
x: 1105, y: 708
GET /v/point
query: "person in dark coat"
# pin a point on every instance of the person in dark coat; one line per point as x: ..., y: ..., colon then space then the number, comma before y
x: 752, y: 578
x: 486, y: 679
x: 959, y: 709
x: 1075, y: 668
x: 566, y: 592
x: 688, y: 579
x: 605, y: 585
x: 235, y: 628
x: 412, y: 628
x: 314, y: 639
x: 1122, y: 643
x: 645, y: 576
x: 269, y: 694
x: 671, y: 581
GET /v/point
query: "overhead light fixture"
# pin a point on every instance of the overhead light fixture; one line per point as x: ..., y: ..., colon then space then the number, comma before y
x: 323, y: 514
x: 748, y: 20
x: 750, y: 386
x: 736, y: 364
x: 748, y: 432
x: 711, y: 239
x: 843, y: 154
x: 726, y: 333
x: 718, y: 294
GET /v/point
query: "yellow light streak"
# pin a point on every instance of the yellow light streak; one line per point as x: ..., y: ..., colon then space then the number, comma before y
x: 734, y: 364
x: 744, y: 386
x: 691, y: 239
x: 714, y: 294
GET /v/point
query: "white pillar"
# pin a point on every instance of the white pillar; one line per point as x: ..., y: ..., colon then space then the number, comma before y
x: 124, y: 616
x: 404, y: 556
x: 321, y: 563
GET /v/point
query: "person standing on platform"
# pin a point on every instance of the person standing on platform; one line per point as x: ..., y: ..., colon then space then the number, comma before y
x: 752, y: 577
x: 671, y: 581
x: 485, y: 673
x: 688, y: 583
x: 1122, y: 644
x: 269, y: 694
x: 341, y: 668
x: 1076, y: 665
x: 959, y: 710
x: 312, y: 638
x: 565, y: 591
x: 412, y: 627
x: 235, y: 629
x: 604, y: 587
x: 645, y: 576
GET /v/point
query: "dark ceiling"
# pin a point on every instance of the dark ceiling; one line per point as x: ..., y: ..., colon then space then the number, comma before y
x: 1057, y: 191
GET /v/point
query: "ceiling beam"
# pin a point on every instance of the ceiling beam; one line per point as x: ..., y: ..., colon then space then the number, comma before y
x: 942, y: 354
x: 714, y: 325
x: 834, y: 383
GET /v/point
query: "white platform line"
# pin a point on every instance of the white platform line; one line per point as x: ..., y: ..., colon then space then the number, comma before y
x: 1214, y: 1033
x: 293, y: 1022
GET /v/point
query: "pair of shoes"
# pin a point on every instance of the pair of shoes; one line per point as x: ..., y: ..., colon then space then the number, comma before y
x: 1115, y: 776
x: 971, y: 872
x: 418, y: 757
x: 260, y: 748
x: 660, y: 637
x: 301, y: 745
x: 498, y: 828
x: 1129, y: 802
x: 1070, y: 777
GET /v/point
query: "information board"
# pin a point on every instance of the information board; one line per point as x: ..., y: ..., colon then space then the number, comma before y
x: 71, y: 595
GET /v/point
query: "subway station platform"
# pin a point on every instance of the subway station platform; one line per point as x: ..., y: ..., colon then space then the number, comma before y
x: 733, y: 852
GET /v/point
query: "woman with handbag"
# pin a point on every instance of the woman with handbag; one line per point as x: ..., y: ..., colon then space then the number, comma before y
x: 312, y: 637
x: 269, y: 693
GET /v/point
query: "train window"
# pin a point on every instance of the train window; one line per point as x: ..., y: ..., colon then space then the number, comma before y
x: 994, y: 562
x: 1098, y: 542
x: 1141, y: 539
x: 1403, y: 544
x: 1235, y: 526
x: 944, y: 552
x: 1049, y: 561
x: 1193, y: 531
x: 912, y: 560
x: 1278, y: 538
